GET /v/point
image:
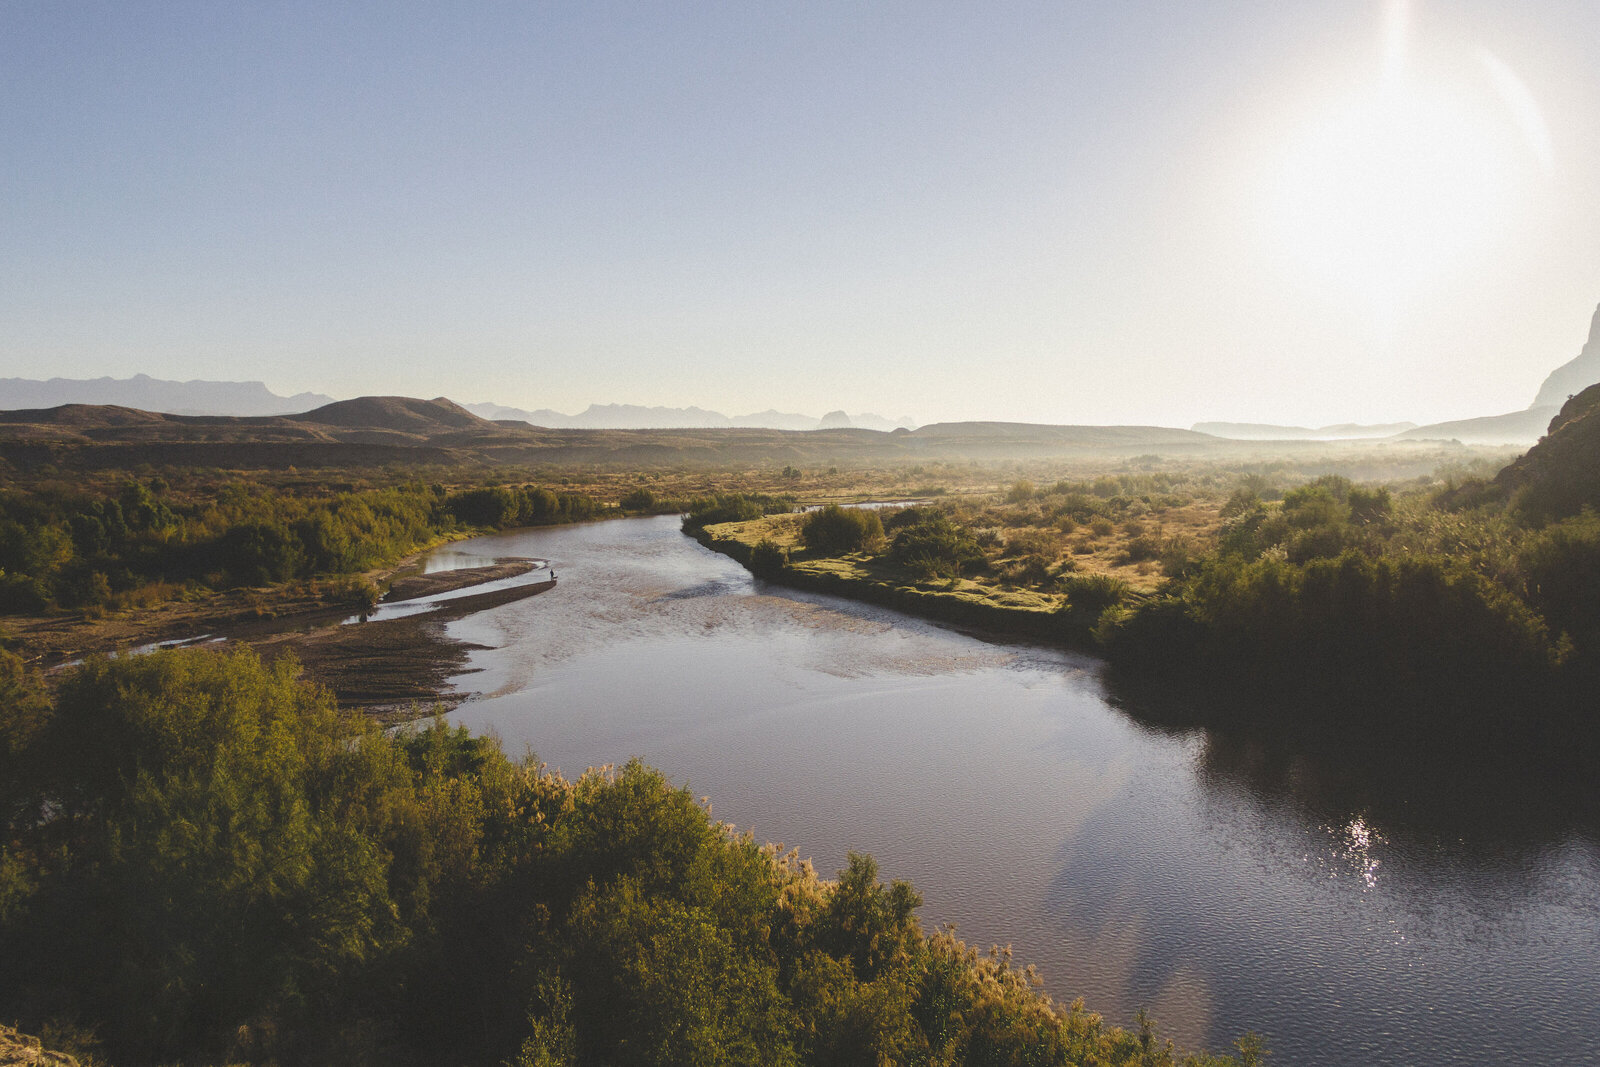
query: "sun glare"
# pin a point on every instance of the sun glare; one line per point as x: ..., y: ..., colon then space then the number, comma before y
x: 1390, y: 188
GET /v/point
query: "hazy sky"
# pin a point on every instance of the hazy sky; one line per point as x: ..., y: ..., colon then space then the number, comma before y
x: 1128, y: 211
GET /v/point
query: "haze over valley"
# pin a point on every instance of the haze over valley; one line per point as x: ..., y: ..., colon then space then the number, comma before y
x: 585, y: 534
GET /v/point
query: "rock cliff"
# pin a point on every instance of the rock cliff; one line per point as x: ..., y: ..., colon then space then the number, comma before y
x: 1573, y: 377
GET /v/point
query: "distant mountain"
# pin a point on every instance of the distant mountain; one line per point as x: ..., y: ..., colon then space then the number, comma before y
x: 1527, y: 426
x: 636, y: 417
x: 542, y: 417
x: 154, y: 394
x: 1512, y: 428
x: 869, y: 421
x: 1031, y: 433
x: 1575, y: 376
x: 772, y: 419
x: 1262, y: 431
x: 405, y: 433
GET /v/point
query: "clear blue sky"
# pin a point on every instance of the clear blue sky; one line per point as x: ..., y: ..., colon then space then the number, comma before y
x: 1059, y: 212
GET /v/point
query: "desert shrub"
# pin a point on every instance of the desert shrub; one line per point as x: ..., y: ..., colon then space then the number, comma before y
x: 1089, y: 595
x: 1561, y: 569
x: 1144, y: 546
x: 1029, y: 570
x: 1467, y: 494
x: 768, y: 557
x: 903, y: 517
x: 833, y: 531
x: 1177, y: 556
x: 936, y: 548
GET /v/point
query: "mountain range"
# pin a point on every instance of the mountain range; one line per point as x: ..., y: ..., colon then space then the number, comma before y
x: 221, y: 398
x: 637, y: 417
x: 201, y: 397
x: 1514, y: 427
x: 197, y: 397
x: 389, y: 431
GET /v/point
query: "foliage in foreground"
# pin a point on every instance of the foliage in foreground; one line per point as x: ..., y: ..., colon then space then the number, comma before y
x: 205, y: 861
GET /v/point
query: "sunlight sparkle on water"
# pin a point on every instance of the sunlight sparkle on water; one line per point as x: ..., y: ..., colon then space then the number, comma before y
x: 1358, y: 841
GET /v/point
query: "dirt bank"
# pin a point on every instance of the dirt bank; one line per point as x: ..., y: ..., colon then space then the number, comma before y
x: 394, y: 668
x: 416, y: 586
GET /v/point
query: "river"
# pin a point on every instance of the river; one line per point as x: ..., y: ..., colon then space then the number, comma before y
x: 1225, y: 886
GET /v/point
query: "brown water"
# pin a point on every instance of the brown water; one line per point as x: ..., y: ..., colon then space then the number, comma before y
x: 1352, y: 917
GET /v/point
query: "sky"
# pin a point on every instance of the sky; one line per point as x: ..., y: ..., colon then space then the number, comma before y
x: 1065, y: 212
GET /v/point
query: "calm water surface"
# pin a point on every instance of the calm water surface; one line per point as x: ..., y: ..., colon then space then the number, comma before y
x: 1222, y: 887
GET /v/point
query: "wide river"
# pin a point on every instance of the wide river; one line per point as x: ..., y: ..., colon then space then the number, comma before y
x: 1220, y: 885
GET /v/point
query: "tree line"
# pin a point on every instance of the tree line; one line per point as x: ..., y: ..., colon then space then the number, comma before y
x: 61, y: 548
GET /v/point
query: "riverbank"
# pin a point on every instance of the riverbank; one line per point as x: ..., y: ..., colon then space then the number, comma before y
x: 1010, y: 612
x: 398, y: 669
x: 392, y: 668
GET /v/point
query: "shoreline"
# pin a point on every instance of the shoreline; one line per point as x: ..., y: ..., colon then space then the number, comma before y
x: 1031, y: 618
x: 394, y: 669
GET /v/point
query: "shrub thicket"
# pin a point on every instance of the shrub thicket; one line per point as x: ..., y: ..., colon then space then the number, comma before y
x: 833, y: 531
x: 205, y: 861
x: 932, y: 546
x: 733, y: 507
x: 75, y: 550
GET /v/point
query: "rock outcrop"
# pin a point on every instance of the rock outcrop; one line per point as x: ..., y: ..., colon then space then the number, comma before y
x: 1574, y: 377
x: 1560, y: 475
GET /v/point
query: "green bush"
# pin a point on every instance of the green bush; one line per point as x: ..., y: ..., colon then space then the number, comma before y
x: 834, y: 531
x: 640, y: 499
x: 1090, y: 595
x: 733, y: 507
x: 936, y: 547
x: 1357, y: 633
x: 766, y: 557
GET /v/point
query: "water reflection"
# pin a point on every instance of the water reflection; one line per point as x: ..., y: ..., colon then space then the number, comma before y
x: 1328, y: 893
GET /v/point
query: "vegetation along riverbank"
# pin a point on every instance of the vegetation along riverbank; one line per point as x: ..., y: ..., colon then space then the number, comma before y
x: 1463, y: 611
x: 283, y: 881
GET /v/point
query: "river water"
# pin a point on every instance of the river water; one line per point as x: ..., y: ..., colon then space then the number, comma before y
x: 1222, y: 885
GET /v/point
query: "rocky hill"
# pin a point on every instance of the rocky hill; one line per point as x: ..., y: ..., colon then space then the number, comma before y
x: 1560, y: 475
x: 1575, y: 376
x: 403, y: 431
x: 401, y: 413
x: 1515, y: 428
